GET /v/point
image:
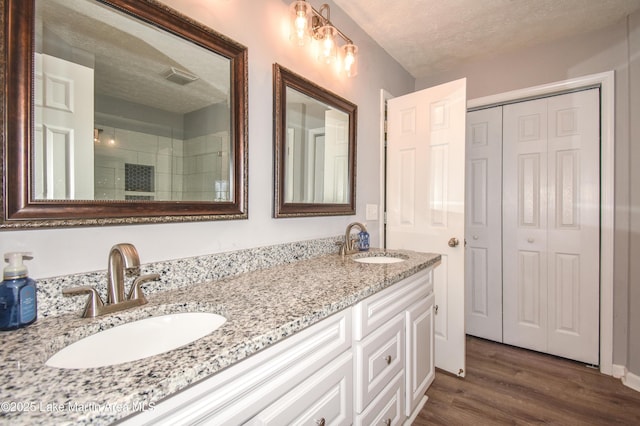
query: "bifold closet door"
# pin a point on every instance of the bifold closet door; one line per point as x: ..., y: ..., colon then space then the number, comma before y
x: 483, y: 228
x: 551, y: 225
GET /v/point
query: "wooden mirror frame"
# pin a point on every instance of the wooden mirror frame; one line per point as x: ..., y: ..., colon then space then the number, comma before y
x: 283, y: 78
x: 19, y: 210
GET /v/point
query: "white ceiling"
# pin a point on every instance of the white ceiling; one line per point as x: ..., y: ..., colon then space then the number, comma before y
x: 429, y: 36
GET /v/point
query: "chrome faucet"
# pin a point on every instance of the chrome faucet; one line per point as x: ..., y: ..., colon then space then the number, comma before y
x: 119, y: 254
x: 121, y: 257
x: 348, y: 246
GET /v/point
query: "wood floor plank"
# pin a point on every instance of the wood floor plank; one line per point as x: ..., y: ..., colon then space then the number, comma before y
x: 513, y: 386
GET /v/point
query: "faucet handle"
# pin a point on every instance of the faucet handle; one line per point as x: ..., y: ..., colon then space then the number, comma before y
x: 136, y: 287
x: 94, y: 302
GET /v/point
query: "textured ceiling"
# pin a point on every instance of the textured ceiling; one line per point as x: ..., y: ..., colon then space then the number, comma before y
x: 131, y: 59
x: 429, y: 36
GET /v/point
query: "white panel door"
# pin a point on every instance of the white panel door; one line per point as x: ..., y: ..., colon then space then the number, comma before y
x: 425, y: 200
x: 336, y: 149
x: 574, y: 226
x: 483, y: 227
x: 525, y: 224
x: 64, y: 130
x: 551, y: 225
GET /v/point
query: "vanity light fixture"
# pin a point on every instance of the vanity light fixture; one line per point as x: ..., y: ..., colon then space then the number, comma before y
x: 309, y: 24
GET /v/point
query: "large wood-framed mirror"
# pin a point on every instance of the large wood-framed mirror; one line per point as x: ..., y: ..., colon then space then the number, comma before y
x: 314, y: 149
x: 120, y: 111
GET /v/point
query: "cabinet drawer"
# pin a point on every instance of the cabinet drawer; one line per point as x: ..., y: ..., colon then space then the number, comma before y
x: 324, y: 398
x: 379, y: 358
x: 374, y: 311
x: 386, y: 408
x: 239, y: 392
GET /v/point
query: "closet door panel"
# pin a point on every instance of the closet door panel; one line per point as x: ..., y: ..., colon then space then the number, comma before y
x: 483, y: 228
x: 525, y: 224
x: 574, y: 220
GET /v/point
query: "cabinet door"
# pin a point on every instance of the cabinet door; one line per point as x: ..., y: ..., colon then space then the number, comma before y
x: 420, y: 368
x: 326, y: 398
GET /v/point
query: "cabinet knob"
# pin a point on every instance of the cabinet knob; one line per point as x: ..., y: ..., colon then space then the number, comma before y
x: 530, y: 240
x: 320, y: 422
x: 453, y: 242
x: 435, y: 308
x: 388, y: 359
x: 387, y: 422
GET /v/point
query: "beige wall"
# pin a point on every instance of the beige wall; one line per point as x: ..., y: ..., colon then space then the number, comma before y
x: 614, y: 48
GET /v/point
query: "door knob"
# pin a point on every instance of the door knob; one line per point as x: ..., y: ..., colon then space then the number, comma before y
x: 453, y: 242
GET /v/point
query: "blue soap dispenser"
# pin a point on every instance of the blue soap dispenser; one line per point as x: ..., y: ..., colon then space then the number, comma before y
x: 363, y: 241
x: 18, y: 304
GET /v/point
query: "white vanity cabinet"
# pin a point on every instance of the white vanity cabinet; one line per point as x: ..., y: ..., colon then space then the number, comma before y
x: 393, y: 338
x: 368, y: 364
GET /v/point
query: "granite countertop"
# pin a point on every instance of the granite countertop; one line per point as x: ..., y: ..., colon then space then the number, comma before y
x: 261, y: 307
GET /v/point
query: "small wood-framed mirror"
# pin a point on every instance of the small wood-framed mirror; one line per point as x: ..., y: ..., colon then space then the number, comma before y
x: 314, y: 148
x: 118, y: 112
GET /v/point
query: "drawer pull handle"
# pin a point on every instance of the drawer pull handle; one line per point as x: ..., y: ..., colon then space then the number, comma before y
x: 388, y: 359
x: 320, y: 422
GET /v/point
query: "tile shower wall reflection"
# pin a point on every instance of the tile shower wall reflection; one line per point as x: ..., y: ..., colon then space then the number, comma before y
x: 195, y: 169
x: 206, y: 168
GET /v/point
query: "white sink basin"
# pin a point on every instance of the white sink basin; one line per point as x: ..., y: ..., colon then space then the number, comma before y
x: 136, y: 340
x: 379, y: 259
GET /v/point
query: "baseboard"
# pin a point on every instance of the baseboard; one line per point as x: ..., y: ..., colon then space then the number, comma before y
x: 632, y: 381
x: 618, y: 371
x: 628, y: 379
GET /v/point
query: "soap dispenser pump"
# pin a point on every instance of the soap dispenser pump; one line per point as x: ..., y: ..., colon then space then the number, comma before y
x: 18, y: 304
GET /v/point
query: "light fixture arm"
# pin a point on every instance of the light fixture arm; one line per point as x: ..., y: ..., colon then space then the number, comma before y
x: 319, y: 20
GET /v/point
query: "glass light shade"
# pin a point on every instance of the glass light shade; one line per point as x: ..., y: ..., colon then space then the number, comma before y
x: 350, y: 59
x: 300, y: 18
x: 328, y: 50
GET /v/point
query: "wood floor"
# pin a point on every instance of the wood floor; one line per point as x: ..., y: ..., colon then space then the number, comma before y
x: 511, y: 386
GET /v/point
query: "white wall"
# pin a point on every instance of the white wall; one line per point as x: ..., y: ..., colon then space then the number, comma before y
x: 262, y: 27
x: 614, y: 48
